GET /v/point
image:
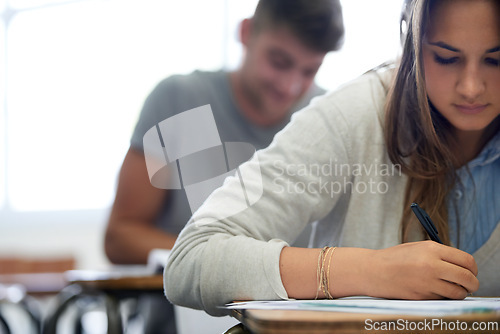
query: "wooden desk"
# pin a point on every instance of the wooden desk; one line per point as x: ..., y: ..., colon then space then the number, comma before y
x: 115, y: 281
x: 321, y: 322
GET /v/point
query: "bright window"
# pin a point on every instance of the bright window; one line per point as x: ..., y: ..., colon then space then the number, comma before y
x: 78, y: 75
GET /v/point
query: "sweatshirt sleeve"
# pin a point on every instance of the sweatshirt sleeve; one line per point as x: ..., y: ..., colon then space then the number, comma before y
x: 219, y: 256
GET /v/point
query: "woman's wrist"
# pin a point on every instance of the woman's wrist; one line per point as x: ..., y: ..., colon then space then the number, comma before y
x: 351, y: 272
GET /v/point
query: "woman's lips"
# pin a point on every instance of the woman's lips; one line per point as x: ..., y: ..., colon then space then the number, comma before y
x: 471, y: 109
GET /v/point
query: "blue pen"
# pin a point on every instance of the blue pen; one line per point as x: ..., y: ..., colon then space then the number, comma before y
x: 426, y: 222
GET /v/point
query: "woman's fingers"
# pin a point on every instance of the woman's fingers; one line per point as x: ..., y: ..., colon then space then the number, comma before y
x: 460, y: 276
x: 459, y: 258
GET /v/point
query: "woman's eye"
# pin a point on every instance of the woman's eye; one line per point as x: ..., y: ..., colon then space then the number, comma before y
x: 492, y: 61
x: 445, y: 61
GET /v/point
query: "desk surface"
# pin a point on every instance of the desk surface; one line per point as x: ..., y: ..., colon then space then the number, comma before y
x: 113, y: 280
x: 318, y: 322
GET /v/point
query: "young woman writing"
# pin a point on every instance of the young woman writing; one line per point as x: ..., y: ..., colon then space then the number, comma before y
x: 351, y: 163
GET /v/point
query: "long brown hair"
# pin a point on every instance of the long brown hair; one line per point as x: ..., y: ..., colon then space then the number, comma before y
x: 418, y: 137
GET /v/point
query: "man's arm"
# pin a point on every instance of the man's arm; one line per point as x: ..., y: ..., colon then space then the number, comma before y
x: 131, y: 234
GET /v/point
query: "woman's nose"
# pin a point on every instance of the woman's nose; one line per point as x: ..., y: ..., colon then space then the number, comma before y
x: 471, y: 84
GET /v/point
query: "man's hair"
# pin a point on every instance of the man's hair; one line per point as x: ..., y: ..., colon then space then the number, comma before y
x: 318, y: 24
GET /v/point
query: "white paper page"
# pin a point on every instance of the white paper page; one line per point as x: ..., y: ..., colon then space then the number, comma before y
x: 380, y: 306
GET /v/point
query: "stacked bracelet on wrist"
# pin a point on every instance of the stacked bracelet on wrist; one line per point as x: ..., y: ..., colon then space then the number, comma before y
x: 323, y: 271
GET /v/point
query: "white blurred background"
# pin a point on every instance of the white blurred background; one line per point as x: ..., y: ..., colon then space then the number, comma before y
x: 73, y: 77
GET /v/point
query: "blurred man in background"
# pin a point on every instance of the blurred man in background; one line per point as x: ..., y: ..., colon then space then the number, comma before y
x: 285, y: 43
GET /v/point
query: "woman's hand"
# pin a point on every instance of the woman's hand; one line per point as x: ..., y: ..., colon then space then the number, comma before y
x: 418, y: 270
x: 421, y: 270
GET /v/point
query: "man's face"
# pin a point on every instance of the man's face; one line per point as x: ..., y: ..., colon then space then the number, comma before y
x: 277, y: 70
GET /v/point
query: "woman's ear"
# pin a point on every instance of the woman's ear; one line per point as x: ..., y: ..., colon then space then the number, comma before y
x: 245, y: 31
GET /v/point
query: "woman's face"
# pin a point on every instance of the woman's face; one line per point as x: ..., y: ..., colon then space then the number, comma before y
x: 461, y: 54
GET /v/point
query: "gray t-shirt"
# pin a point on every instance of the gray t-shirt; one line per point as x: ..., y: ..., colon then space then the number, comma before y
x: 180, y: 93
